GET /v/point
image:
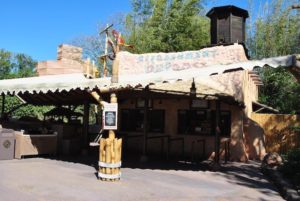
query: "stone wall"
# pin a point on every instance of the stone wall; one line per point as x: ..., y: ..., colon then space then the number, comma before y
x: 69, y: 52
x: 68, y: 62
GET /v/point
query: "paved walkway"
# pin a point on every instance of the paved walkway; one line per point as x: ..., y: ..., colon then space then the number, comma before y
x: 46, y: 179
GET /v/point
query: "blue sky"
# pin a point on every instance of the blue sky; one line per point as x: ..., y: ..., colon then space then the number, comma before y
x: 37, y: 27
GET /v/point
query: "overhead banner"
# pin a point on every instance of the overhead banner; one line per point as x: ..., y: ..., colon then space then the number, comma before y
x: 133, y: 64
x: 110, y: 116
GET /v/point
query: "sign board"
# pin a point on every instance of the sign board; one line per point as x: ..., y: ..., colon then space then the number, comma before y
x: 153, y: 63
x: 199, y: 103
x: 110, y: 116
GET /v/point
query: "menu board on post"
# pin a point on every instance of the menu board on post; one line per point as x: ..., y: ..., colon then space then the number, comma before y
x: 110, y: 116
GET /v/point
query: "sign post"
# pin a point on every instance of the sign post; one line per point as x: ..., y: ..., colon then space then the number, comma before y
x: 111, y: 147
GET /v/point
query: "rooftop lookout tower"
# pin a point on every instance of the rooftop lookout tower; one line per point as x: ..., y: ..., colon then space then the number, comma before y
x: 227, y: 24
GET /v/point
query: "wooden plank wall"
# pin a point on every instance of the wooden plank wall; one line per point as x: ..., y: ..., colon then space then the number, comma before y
x: 279, y: 135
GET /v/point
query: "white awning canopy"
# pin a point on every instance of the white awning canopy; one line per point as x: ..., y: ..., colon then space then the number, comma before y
x: 166, y: 81
x: 51, y: 83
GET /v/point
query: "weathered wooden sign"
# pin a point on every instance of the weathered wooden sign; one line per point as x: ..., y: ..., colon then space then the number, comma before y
x: 162, y: 62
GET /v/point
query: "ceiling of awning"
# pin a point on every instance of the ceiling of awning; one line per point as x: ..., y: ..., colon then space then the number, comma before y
x: 72, y: 97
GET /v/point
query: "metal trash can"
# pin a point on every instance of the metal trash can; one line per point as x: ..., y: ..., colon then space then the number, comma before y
x: 7, y: 144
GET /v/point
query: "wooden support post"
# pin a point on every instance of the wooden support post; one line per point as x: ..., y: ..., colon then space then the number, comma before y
x: 113, y: 99
x: 217, y: 130
x: 97, y: 97
x: 102, y: 154
x: 86, y: 109
x: 105, y: 52
x: 145, y: 130
x: 3, y: 106
x: 108, y: 143
x: 115, y: 70
x: 118, y: 153
x: 110, y: 150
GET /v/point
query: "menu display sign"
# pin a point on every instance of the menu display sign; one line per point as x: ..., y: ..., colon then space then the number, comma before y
x: 110, y: 116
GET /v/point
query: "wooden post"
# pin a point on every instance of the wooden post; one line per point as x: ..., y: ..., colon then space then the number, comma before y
x: 105, y: 52
x: 118, y: 154
x: 217, y: 130
x: 115, y: 70
x: 108, y: 144
x: 102, y: 154
x: 116, y: 62
x: 145, y: 129
x: 3, y: 106
x: 86, y: 109
x: 113, y: 99
x: 110, y: 150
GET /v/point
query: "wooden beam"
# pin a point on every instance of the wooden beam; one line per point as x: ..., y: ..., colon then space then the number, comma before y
x: 217, y: 131
x: 115, y: 70
x: 145, y: 129
x: 85, y: 125
x: 97, y: 97
x: 3, y: 105
x: 16, y: 107
x: 111, y: 133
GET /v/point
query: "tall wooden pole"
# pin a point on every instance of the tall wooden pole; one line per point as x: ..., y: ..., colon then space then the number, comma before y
x: 86, y: 111
x: 105, y: 52
x: 145, y: 127
x: 115, y: 65
x: 111, y: 133
x: 3, y: 106
x: 217, y: 136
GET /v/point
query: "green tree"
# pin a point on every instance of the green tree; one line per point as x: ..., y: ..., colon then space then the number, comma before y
x: 280, y: 90
x: 16, y: 66
x: 167, y: 25
x: 276, y: 32
x: 5, y: 64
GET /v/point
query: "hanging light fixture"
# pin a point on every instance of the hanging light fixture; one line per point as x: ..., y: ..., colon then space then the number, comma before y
x: 193, y: 89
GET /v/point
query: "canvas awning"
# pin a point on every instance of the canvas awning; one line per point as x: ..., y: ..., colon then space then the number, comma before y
x: 73, y: 88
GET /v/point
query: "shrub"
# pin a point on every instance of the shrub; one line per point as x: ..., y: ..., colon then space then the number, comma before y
x: 291, y: 166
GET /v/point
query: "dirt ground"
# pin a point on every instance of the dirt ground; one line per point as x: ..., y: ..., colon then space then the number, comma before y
x: 49, y: 179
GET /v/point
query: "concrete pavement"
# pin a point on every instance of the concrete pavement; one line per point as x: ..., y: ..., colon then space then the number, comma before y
x: 52, y: 180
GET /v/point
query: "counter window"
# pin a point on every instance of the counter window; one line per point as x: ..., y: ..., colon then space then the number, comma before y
x: 133, y: 120
x: 202, y: 122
